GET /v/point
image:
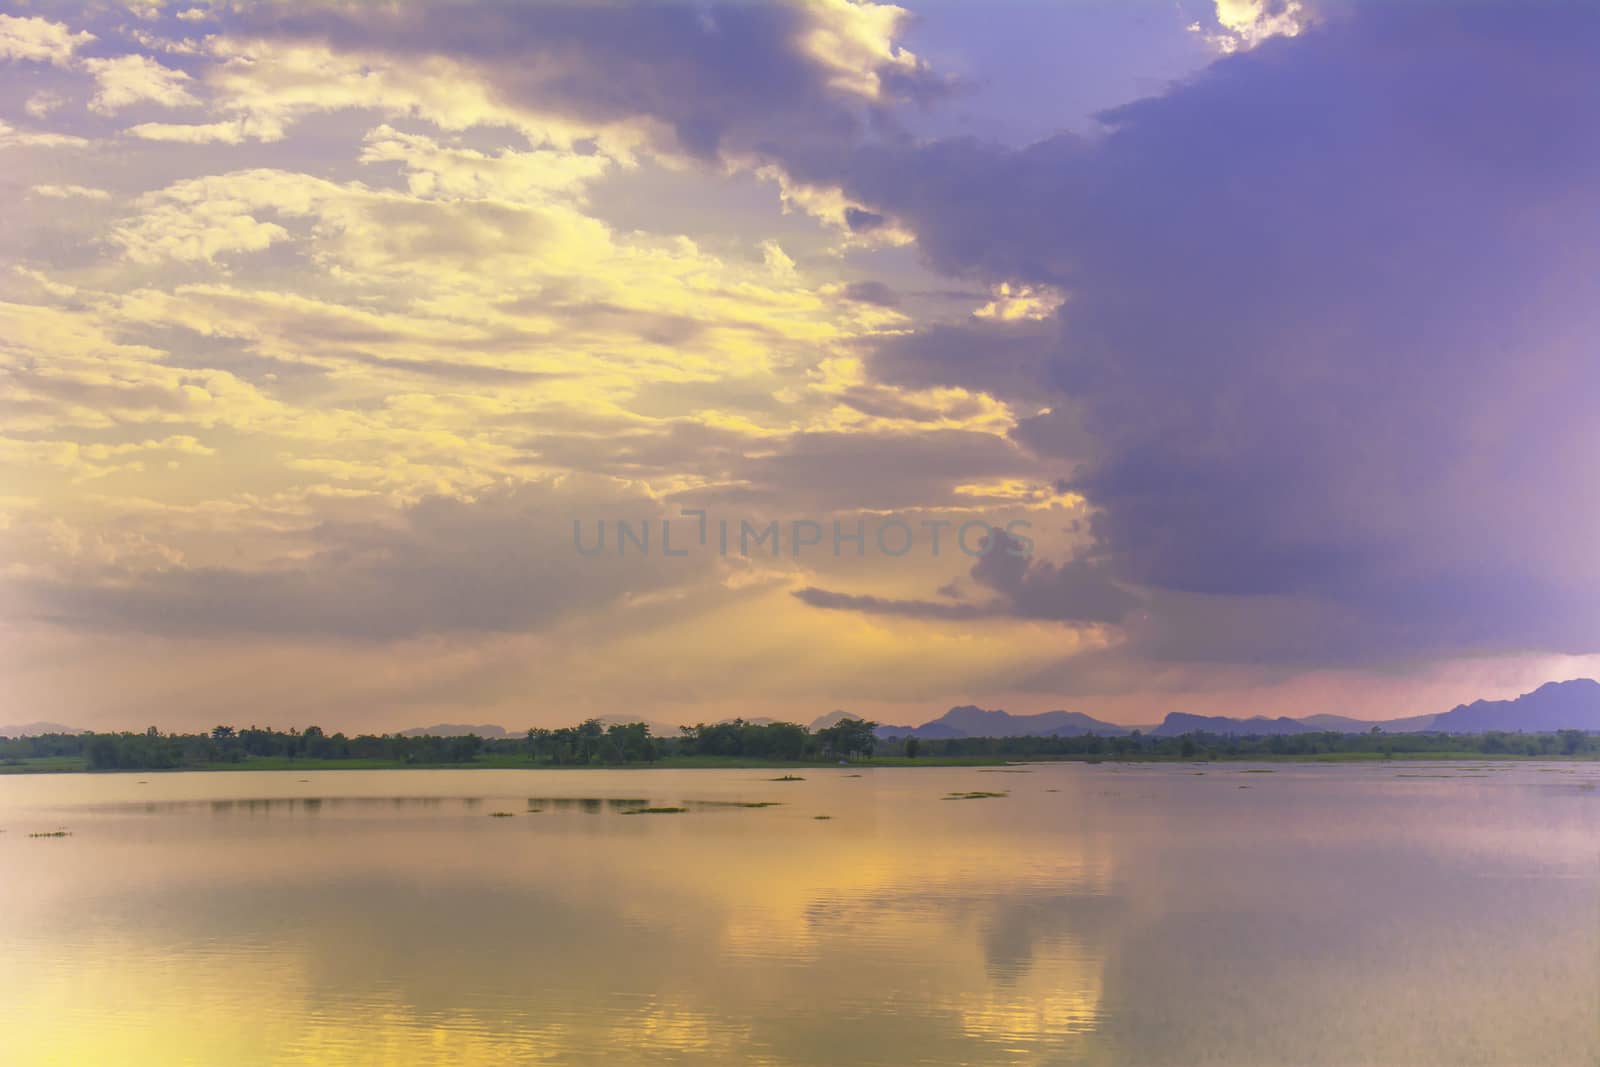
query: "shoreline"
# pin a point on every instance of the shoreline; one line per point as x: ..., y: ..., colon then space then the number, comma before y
x: 76, y: 765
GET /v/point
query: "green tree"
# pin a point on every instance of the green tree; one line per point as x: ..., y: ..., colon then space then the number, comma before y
x: 849, y: 737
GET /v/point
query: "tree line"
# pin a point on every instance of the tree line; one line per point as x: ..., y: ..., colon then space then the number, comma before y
x: 589, y: 743
x: 1202, y: 745
x: 618, y: 744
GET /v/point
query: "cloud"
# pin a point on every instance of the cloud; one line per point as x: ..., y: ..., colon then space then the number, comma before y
x: 136, y: 79
x: 68, y: 192
x: 503, y: 562
x: 874, y: 605
x: 776, y: 260
x: 1243, y: 24
x: 1325, y: 328
x: 232, y: 131
x: 1078, y: 591
x: 871, y: 292
x: 1008, y: 358
x: 1300, y: 341
x: 811, y: 473
x: 443, y: 171
x: 10, y: 136
x: 41, y: 103
x: 1011, y: 303
x: 39, y: 40
x: 703, y: 80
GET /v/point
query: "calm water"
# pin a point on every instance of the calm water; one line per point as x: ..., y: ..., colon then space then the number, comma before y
x: 1137, y: 915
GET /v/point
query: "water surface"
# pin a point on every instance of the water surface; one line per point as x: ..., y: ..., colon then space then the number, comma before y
x: 1225, y: 914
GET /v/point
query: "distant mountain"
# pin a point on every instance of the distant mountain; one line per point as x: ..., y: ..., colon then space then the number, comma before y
x: 455, y: 730
x: 1345, y: 725
x: 1180, y: 723
x: 931, y: 731
x: 822, y: 722
x: 972, y: 721
x: 657, y: 729
x: 33, y: 729
x: 447, y: 729
x: 977, y: 722
x: 1555, y: 706
x: 1573, y: 705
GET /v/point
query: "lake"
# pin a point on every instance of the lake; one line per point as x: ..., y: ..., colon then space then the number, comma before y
x: 1228, y: 914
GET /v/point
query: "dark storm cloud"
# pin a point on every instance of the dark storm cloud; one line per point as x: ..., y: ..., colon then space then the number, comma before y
x: 721, y: 76
x: 1007, y: 359
x: 862, y: 221
x: 891, y: 404
x: 875, y: 605
x: 1330, y: 325
x: 1078, y: 591
x: 1038, y: 589
x: 872, y: 293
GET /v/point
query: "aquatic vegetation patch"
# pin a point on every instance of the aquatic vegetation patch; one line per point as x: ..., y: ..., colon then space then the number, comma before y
x: 737, y: 803
x: 53, y: 833
x: 501, y: 814
x: 655, y: 811
x: 974, y: 795
x: 822, y: 818
x: 788, y: 778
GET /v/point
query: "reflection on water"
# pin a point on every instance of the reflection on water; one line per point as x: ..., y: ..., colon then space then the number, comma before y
x: 1087, y: 914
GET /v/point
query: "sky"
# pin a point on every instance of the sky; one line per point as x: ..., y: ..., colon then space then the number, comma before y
x: 1259, y: 333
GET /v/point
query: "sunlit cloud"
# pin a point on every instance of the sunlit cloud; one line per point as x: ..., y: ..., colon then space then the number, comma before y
x: 39, y: 40
x: 127, y: 80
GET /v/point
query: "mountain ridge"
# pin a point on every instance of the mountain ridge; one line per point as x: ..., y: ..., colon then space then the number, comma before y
x: 33, y: 729
x: 1572, y: 704
x: 447, y: 729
